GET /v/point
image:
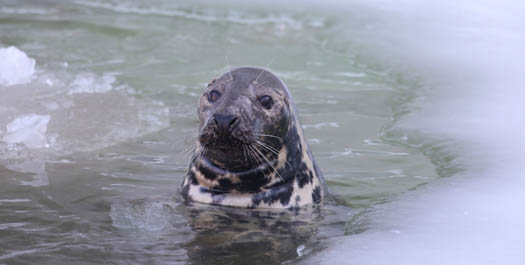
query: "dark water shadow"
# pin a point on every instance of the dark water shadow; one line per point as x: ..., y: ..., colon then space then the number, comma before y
x: 226, y: 235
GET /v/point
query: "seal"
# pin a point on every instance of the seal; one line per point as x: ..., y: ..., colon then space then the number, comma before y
x: 251, y: 150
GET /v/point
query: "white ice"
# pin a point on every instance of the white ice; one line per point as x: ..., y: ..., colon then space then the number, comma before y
x: 29, y: 129
x: 90, y: 83
x: 15, y: 66
x: 61, y: 112
x: 469, y: 57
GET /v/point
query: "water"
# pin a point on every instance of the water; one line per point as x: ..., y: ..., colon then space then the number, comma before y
x: 93, y: 135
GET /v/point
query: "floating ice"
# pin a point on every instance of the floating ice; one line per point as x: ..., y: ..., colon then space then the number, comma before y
x: 88, y: 111
x: 15, y: 66
x: 24, y: 11
x: 232, y: 17
x: 351, y: 74
x: 300, y: 250
x: 37, y: 168
x: 28, y: 129
x: 11, y: 225
x: 321, y: 125
x: 14, y: 200
x: 91, y: 83
x: 147, y: 215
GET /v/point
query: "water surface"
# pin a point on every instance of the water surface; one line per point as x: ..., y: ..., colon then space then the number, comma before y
x: 93, y: 143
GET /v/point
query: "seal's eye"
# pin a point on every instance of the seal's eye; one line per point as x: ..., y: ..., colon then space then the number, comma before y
x: 213, y: 96
x: 266, y: 101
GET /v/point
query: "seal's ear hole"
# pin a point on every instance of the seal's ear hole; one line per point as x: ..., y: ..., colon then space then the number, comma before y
x: 266, y: 101
x: 213, y: 96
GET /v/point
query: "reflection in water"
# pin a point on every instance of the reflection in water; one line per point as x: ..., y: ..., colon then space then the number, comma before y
x: 209, y: 234
x: 227, y: 235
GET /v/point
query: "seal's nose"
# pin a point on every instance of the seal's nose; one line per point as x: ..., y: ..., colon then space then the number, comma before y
x: 225, y: 122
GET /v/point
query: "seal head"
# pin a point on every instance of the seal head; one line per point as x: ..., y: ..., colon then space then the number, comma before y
x: 251, y: 150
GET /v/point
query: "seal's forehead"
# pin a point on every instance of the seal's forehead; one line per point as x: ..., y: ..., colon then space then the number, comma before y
x: 246, y: 76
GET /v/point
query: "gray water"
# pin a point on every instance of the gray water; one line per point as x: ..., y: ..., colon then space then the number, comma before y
x: 93, y: 143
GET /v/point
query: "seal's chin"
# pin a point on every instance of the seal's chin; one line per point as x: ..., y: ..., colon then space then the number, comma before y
x: 224, y: 152
x: 226, y: 144
x: 236, y: 150
x: 229, y: 159
x: 235, y: 156
x: 223, y: 146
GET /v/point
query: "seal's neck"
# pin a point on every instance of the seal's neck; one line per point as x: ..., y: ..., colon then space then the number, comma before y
x: 211, y: 167
x: 250, y: 178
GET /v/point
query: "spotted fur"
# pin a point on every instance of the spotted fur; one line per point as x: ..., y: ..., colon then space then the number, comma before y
x: 231, y: 168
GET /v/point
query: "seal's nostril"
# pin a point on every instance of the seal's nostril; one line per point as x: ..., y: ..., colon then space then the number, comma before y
x: 226, y: 122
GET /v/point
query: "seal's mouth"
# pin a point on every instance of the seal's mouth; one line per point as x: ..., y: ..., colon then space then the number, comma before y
x: 212, y: 140
x: 217, y: 137
x: 237, y: 153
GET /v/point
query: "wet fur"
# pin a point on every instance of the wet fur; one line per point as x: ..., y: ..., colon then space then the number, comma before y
x: 282, y: 175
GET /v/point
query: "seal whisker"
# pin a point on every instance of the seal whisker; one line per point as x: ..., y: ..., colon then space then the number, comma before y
x: 244, y: 153
x: 248, y: 157
x: 190, y: 147
x: 264, y: 82
x: 265, y: 143
x: 189, y: 150
x: 259, y: 157
x: 255, y: 156
x: 229, y: 68
x: 199, y: 152
x: 270, y: 62
x: 270, y: 164
x: 268, y: 135
x: 273, y: 150
x: 267, y: 146
x: 195, y: 155
x: 255, y: 81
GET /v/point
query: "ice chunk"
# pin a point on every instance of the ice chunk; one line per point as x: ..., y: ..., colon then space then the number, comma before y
x: 143, y: 214
x: 35, y: 167
x: 29, y: 129
x: 15, y: 66
x: 91, y: 83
